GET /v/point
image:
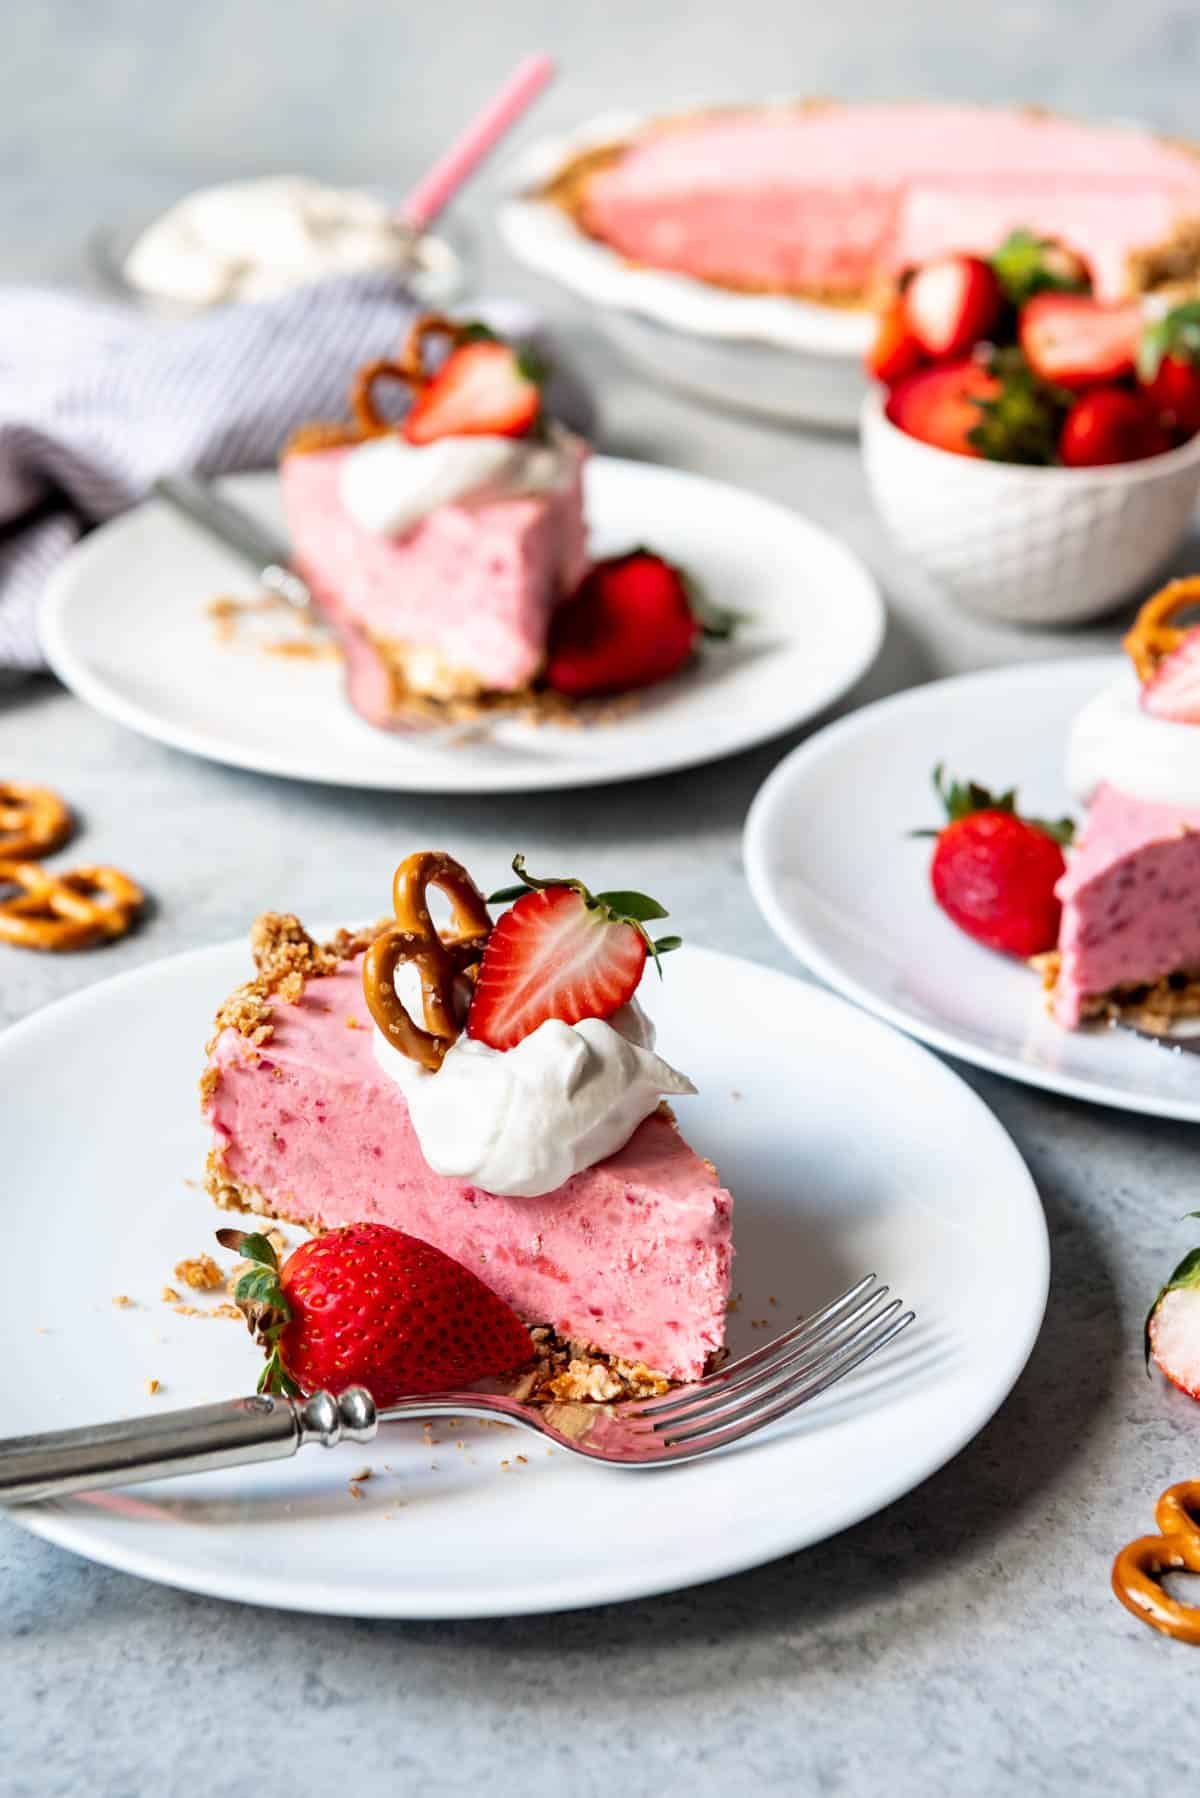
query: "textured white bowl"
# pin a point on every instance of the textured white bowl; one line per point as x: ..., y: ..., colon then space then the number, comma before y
x: 1028, y: 545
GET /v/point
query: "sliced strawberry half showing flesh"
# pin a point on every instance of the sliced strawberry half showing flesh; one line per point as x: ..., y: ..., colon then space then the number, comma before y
x: 560, y: 952
x: 1173, y: 690
x: 1073, y: 340
x: 951, y: 304
x: 1173, y: 1327
x: 481, y: 390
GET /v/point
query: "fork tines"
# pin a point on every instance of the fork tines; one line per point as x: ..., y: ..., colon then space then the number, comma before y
x: 774, y: 1379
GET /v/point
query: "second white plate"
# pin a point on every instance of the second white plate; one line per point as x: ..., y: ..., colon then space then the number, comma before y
x: 837, y: 875
x: 124, y: 625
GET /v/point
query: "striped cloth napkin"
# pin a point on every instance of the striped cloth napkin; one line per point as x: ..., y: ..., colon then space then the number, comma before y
x: 97, y: 400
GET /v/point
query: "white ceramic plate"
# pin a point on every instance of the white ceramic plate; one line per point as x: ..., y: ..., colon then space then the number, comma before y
x: 850, y: 1151
x: 838, y: 878
x: 124, y: 625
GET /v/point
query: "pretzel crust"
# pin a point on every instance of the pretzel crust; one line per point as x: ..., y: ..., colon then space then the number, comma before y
x: 440, y: 961
x: 59, y: 912
x: 1138, y: 1568
x: 33, y: 821
x: 1152, y: 637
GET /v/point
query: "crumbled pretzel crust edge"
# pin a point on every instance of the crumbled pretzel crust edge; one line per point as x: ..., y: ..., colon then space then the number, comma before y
x: 1150, y: 1006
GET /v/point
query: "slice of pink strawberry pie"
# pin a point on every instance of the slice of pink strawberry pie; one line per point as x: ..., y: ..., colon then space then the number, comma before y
x: 1130, y: 935
x: 439, y: 546
x: 494, y: 1091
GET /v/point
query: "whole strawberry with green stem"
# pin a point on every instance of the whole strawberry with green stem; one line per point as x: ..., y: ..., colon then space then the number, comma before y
x: 562, y: 952
x: 367, y: 1305
x: 993, y: 872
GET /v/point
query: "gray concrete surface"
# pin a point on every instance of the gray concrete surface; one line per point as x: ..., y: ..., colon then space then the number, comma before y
x: 964, y: 1641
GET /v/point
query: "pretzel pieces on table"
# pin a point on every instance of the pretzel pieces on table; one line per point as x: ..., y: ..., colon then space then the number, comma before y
x: 74, y: 910
x: 1138, y: 1569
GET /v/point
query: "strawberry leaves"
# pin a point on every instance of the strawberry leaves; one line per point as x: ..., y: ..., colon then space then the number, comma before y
x: 618, y: 906
x: 1177, y: 333
x: 1022, y: 422
x: 260, y: 1298
x: 960, y: 799
x: 1026, y: 264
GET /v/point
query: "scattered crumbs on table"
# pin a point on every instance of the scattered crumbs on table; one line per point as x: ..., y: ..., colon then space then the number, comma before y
x: 364, y: 1473
x: 200, y: 1272
x: 169, y: 1295
x: 123, y: 1302
x: 356, y: 1490
x: 524, y: 1460
x: 153, y: 1386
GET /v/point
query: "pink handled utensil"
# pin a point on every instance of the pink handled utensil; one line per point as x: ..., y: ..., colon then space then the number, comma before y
x: 436, y: 188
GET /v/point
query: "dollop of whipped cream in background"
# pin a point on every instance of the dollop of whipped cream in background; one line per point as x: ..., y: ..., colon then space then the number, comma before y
x: 253, y: 240
x: 388, y: 485
x: 1114, y: 742
x: 521, y: 1121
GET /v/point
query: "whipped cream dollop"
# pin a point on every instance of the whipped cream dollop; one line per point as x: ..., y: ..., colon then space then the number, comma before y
x: 388, y: 485
x: 253, y: 240
x: 521, y: 1121
x: 1114, y: 742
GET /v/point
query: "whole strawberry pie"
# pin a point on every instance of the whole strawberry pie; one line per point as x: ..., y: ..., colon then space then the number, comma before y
x: 442, y: 533
x: 491, y: 1090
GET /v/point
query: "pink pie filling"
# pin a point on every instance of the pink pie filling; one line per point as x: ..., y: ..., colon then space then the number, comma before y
x: 632, y: 1256
x: 828, y: 197
x: 468, y: 592
x: 1131, y: 900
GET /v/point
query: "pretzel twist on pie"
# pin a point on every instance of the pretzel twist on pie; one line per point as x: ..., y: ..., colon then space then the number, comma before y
x: 65, y: 911
x: 1152, y: 636
x: 440, y: 960
x: 408, y: 367
x: 33, y: 820
x: 1138, y: 1569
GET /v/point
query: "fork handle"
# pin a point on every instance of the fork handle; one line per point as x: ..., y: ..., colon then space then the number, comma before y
x: 234, y: 1433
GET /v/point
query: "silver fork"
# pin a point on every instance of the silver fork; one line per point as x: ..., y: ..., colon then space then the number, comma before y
x: 686, y: 1423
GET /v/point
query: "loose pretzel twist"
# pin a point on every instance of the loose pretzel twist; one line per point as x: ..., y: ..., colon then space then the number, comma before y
x: 65, y: 911
x: 408, y: 367
x: 1152, y: 636
x: 440, y: 961
x: 1138, y: 1568
x: 33, y: 821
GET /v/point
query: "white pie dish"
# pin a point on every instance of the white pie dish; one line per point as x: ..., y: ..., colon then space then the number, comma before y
x: 788, y: 358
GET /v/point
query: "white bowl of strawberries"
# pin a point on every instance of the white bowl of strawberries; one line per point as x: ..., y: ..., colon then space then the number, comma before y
x: 1033, y: 449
